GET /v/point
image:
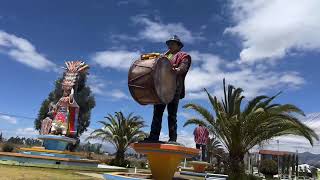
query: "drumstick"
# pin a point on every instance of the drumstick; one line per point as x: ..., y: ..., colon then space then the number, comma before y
x: 167, y: 52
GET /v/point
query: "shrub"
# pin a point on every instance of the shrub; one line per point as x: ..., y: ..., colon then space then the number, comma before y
x: 269, y: 168
x: 252, y: 177
x: 7, y: 147
x: 125, y: 163
x: 140, y: 164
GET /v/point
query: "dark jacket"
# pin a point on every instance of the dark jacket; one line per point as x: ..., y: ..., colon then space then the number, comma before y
x: 181, y: 61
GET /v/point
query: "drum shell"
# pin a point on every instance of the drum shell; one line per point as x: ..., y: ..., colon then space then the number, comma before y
x: 152, y: 81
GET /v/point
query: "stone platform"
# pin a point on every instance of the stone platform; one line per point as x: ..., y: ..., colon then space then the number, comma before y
x: 54, y: 142
x: 53, y: 153
x: 164, y: 158
x: 47, y: 159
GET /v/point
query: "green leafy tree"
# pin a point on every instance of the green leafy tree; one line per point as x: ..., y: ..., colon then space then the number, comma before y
x: 215, y: 151
x: 240, y: 129
x: 83, y: 97
x: 269, y: 168
x: 121, y: 131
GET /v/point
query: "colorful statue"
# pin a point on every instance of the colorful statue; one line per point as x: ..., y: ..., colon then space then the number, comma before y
x: 181, y: 62
x: 65, y: 112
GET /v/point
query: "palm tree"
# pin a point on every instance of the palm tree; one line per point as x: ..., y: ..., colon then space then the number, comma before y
x: 121, y: 131
x: 215, y: 150
x: 213, y: 146
x: 239, y: 129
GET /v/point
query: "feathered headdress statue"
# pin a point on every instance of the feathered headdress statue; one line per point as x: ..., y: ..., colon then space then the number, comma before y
x: 73, y: 68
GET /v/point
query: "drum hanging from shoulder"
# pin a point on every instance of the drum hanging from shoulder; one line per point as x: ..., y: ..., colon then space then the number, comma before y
x: 152, y: 81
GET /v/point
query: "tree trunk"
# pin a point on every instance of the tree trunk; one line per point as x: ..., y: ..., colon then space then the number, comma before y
x: 236, y: 167
x: 218, y: 164
x: 119, y: 160
x: 268, y: 177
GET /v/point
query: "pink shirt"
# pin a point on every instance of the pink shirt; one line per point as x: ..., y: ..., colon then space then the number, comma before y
x: 201, y: 135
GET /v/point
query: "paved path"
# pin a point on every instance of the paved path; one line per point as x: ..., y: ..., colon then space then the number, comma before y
x: 95, y: 175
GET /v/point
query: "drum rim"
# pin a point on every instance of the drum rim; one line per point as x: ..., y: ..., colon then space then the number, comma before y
x: 175, y: 79
x: 154, y: 89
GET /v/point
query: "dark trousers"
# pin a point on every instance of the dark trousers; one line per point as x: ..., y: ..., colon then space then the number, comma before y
x: 203, y: 148
x: 158, y: 110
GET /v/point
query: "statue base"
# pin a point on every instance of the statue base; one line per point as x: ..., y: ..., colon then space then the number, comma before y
x: 54, y: 142
x: 199, y: 166
x: 53, y: 154
x: 164, y: 158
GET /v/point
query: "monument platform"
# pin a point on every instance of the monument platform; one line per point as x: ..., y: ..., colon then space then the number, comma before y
x: 164, y: 158
x: 53, y: 153
x: 50, y: 153
x: 126, y: 176
x: 199, y: 166
x: 54, y: 142
x: 46, y: 159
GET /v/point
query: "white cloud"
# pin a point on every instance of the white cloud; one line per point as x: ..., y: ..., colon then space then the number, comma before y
x: 118, y: 59
x: 98, y: 87
x: 208, y: 70
x: 96, y: 84
x: 184, y: 137
x: 293, y: 143
x: 21, y: 132
x: 160, y: 32
x: 21, y: 50
x: 8, y: 119
x: 130, y: 2
x: 106, y: 146
x: 26, y: 132
x: 271, y: 29
x: 185, y: 114
x: 118, y: 94
x: 86, y: 134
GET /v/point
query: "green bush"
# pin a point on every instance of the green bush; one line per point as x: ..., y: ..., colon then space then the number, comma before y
x: 268, y: 167
x: 246, y: 177
x: 125, y: 163
x: 252, y: 177
x: 140, y: 164
x: 7, y: 147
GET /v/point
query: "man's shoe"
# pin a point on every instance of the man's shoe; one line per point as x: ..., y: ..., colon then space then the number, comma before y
x: 150, y: 140
x: 174, y: 143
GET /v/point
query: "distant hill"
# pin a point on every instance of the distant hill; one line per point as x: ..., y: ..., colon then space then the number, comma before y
x: 309, y: 158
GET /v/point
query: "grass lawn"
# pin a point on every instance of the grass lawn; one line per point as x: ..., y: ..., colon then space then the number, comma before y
x: 8, y: 172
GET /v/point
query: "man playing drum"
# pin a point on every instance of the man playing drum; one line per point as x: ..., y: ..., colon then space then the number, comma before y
x: 181, y: 62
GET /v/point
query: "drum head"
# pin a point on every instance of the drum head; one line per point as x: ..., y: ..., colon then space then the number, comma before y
x: 165, y: 80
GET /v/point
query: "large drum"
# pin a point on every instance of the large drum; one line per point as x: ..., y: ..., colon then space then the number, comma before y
x: 152, y: 81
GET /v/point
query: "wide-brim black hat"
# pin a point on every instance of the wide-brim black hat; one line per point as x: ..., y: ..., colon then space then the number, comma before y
x: 176, y: 39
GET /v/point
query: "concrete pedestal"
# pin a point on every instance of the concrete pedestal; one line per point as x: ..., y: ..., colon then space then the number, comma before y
x: 164, y: 158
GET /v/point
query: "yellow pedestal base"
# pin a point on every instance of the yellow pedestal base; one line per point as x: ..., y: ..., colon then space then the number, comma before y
x: 199, y: 166
x: 164, y: 158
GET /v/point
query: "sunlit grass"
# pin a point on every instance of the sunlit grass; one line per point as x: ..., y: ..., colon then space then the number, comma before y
x: 8, y: 172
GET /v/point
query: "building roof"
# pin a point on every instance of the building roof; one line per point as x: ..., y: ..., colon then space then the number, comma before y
x: 275, y: 153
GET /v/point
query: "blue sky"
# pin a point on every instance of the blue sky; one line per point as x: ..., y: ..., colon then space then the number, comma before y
x: 263, y: 46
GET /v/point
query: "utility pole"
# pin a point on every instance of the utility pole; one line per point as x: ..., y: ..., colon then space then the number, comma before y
x: 278, y: 159
x: 297, y: 164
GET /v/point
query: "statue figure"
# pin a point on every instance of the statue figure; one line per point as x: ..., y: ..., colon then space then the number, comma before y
x: 201, y: 136
x: 147, y: 86
x: 63, y: 116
